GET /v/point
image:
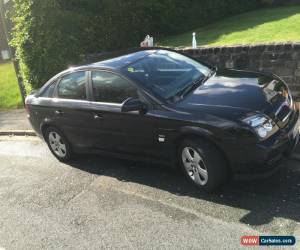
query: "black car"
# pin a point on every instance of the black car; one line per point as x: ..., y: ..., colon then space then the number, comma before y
x: 161, y: 106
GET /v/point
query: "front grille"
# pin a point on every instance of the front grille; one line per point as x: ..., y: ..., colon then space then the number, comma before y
x: 285, y: 112
x: 279, y: 96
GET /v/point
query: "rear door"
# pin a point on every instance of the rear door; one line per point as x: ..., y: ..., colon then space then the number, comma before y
x: 71, y: 108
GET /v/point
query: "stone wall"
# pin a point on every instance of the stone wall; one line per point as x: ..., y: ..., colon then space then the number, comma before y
x: 281, y: 59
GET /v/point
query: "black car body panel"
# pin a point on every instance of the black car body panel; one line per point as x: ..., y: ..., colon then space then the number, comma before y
x: 213, y: 111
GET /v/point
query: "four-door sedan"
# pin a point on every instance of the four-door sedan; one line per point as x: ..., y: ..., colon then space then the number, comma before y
x: 161, y: 106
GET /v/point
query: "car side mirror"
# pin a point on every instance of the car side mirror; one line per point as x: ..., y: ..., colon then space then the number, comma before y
x: 132, y: 104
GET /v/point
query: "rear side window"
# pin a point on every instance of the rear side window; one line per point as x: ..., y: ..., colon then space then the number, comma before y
x: 48, y: 92
x: 73, y: 86
x: 111, y: 88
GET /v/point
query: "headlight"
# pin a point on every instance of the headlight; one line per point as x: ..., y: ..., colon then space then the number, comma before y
x: 263, y: 126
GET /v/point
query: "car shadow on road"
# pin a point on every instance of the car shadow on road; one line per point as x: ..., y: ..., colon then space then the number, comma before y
x: 277, y: 196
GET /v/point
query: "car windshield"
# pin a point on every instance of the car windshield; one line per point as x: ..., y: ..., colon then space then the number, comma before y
x: 167, y: 73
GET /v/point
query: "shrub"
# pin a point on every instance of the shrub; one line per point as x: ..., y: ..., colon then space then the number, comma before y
x: 50, y: 35
x: 279, y: 2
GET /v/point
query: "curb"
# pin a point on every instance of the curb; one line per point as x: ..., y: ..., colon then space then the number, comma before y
x: 17, y: 133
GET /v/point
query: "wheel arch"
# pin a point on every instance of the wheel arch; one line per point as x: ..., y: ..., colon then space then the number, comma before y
x: 45, y: 125
x: 49, y: 123
x: 202, y: 134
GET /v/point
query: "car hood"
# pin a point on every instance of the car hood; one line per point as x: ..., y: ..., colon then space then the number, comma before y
x: 237, y: 92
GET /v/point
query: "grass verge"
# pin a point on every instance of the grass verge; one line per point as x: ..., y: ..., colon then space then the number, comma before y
x: 10, y: 97
x: 270, y: 25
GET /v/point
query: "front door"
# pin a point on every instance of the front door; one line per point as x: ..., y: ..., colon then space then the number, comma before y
x: 131, y: 132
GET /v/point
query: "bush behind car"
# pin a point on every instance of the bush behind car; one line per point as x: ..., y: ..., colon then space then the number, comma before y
x: 50, y: 35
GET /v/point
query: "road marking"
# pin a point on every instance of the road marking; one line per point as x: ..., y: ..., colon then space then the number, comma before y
x: 19, y: 138
x: 21, y: 148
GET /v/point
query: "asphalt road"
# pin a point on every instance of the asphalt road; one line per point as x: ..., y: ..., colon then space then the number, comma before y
x: 104, y: 203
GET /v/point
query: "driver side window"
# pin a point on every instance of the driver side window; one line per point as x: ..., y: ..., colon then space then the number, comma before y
x: 111, y: 88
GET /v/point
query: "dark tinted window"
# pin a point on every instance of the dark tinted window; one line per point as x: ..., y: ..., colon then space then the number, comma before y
x: 73, y: 86
x: 111, y: 88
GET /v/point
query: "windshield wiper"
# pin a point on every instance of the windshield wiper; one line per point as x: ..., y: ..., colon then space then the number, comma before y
x: 213, y: 70
x: 194, y: 84
x: 197, y: 83
x: 189, y: 88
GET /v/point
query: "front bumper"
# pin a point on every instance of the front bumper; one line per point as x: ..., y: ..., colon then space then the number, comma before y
x: 263, y: 159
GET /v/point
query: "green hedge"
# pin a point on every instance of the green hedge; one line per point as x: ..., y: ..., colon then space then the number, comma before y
x: 50, y: 35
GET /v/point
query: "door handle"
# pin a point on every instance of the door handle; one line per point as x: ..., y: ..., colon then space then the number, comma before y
x: 58, y: 112
x: 98, y: 116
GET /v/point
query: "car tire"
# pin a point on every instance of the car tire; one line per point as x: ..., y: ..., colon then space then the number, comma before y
x: 58, y: 144
x: 203, y: 164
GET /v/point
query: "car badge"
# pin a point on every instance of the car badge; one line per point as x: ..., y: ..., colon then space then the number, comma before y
x: 161, y: 138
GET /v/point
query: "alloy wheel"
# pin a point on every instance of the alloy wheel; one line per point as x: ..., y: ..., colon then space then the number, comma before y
x: 57, y: 144
x: 194, y: 166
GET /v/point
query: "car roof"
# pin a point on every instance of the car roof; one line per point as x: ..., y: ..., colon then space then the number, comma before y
x: 108, y: 60
x: 116, y: 60
x: 124, y: 59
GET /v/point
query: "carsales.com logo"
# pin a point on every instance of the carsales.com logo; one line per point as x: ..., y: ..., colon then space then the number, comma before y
x: 268, y: 240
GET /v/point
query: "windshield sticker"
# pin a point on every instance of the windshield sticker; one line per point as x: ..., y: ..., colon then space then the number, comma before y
x: 130, y: 69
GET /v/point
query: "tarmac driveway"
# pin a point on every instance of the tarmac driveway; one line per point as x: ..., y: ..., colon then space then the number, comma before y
x: 99, y: 202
